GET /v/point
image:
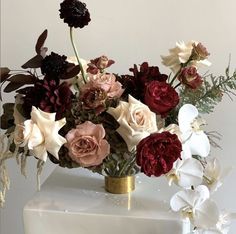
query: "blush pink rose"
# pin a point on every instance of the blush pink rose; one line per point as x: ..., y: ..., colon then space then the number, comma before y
x: 86, y: 144
x: 107, y: 82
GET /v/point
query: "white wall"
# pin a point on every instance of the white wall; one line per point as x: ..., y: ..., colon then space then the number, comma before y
x: 128, y: 31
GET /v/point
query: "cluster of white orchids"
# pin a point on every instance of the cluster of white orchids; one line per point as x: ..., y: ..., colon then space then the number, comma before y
x: 199, y: 174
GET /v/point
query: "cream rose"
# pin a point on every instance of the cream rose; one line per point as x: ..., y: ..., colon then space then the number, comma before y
x: 180, y: 54
x: 86, y: 144
x: 40, y: 133
x: 136, y: 121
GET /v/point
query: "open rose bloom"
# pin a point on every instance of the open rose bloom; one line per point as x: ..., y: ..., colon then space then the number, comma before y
x: 77, y: 113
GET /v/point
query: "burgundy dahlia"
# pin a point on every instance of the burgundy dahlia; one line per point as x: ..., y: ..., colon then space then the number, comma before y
x: 147, y: 74
x: 54, y: 66
x: 157, y: 153
x: 49, y: 97
x: 160, y: 97
x: 136, y: 84
x: 74, y: 13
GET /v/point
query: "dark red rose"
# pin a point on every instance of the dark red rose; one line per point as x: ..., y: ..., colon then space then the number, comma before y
x: 160, y: 97
x: 157, y: 153
x: 190, y: 77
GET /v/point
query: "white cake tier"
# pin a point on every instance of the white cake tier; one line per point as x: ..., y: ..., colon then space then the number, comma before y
x: 75, y: 202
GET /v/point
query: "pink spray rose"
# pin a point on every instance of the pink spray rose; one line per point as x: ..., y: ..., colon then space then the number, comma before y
x: 86, y: 144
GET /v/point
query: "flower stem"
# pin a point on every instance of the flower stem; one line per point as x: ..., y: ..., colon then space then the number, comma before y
x: 77, y: 55
x: 182, y: 65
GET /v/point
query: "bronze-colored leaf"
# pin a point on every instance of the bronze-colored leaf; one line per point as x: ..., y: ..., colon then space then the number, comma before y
x: 12, y: 86
x: 25, y: 90
x: 71, y: 73
x: 4, y: 73
x: 40, y: 41
x: 7, y: 119
x: 35, y: 62
x: 23, y: 79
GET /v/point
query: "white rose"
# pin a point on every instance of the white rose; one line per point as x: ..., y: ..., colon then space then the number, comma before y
x: 180, y: 54
x: 40, y: 133
x: 135, y: 119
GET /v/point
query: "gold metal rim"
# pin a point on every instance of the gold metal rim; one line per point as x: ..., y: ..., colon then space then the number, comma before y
x: 119, y: 185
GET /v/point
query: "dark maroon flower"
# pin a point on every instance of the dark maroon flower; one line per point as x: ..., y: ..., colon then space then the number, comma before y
x: 147, y: 74
x: 99, y: 64
x: 190, y: 77
x: 136, y: 84
x: 54, y: 66
x: 93, y: 98
x: 49, y: 97
x: 157, y: 153
x: 160, y: 97
x: 74, y: 13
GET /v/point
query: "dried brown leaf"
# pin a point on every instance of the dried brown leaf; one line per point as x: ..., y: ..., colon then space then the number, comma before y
x: 4, y: 73
x: 23, y: 79
x: 35, y: 62
x: 72, y: 72
x: 40, y: 41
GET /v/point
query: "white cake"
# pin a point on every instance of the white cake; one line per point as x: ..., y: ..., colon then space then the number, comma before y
x: 75, y: 202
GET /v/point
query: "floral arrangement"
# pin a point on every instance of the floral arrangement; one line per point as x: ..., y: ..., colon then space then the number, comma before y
x: 76, y: 114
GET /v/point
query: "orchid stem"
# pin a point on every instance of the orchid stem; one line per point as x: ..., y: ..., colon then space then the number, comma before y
x: 77, y: 55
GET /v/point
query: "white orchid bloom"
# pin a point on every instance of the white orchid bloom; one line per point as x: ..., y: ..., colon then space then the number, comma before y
x: 186, y: 172
x: 196, y: 205
x: 214, y: 174
x: 222, y: 226
x: 192, y: 134
x: 41, y: 134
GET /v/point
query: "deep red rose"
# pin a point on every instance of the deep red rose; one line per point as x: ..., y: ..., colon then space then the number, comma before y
x: 160, y: 97
x: 190, y: 77
x: 157, y: 153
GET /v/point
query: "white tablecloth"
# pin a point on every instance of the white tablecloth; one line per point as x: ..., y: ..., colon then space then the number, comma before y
x: 74, y: 202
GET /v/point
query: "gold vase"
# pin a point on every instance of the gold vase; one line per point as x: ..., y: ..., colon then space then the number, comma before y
x: 120, y: 185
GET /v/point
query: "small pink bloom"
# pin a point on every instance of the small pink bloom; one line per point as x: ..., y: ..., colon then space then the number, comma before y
x: 86, y: 144
x: 190, y: 77
x: 199, y: 51
x: 99, y: 64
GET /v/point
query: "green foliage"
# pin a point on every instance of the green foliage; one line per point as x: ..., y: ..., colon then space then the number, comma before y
x: 206, y: 97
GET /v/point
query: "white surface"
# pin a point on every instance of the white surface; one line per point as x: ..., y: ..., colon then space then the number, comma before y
x: 128, y: 31
x: 74, y: 201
